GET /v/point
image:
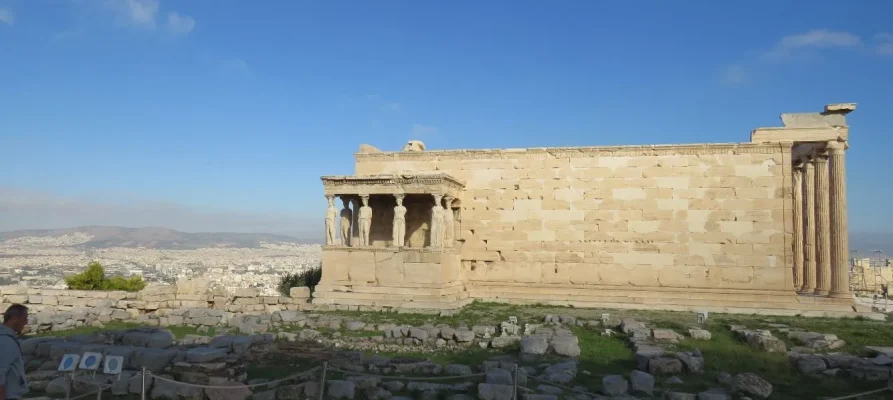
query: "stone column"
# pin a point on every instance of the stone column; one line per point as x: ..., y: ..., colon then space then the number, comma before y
x: 798, y: 225
x: 355, y: 226
x: 822, y: 229
x: 809, y: 273
x: 840, y: 244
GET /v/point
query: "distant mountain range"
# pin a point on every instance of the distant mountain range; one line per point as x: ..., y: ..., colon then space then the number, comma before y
x: 156, y: 238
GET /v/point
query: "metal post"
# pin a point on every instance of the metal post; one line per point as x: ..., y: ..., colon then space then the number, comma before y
x: 67, y: 386
x: 515, y: 383
x: 322, y: 383
x: 143, y: 388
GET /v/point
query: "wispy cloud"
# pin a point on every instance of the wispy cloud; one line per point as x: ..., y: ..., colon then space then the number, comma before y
x: 733, y: 75
x: 179, y: 24
x: 420, y: 131
x: 140, y: 13
x: 884, y: 44
x: 817, y: 39
x: 143, y: 14
x: 809, y: 45
x: 7, y: 17
x: 29, y: 209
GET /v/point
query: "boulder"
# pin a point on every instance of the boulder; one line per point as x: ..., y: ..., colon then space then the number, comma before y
x: 204, y: 354
x: 666, y: 335
x: 751, y: 384
x: 457, y: 369
x: 699, y: 334
x: 714, y: 394
x: 642, y: 382
x: 561, y: 373
x: 489, y: 391
x: 341, y: 389
x: 693, y: 361
x: 811, y: 364
x: 499, y: 376
x: 566, y: 345
x: 534, y: 344
x: 680, y: 396
x: 664, y: 366
x: 614, y: 385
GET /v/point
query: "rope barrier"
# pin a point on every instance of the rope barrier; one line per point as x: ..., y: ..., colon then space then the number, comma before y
x: 103, y: 386
x: 853, y: 396
x: 408, y: 378
x: 278, y: 381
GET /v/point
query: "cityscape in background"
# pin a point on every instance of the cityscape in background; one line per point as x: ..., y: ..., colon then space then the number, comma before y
x: 44, y: 261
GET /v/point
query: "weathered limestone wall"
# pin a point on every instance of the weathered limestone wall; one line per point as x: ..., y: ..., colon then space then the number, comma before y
x: 64, y: 309
x: 685, y: 216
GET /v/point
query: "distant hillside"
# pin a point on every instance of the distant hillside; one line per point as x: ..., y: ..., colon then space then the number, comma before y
x: 155, y: 238
x: 865, y: 244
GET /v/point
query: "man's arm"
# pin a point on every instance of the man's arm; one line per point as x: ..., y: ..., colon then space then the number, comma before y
x: 7, y: 357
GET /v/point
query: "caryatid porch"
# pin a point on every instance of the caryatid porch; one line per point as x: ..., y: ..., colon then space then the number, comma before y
x: 393, y: 235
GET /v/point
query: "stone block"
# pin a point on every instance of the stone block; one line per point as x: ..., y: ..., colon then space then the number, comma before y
x: 299, y: 292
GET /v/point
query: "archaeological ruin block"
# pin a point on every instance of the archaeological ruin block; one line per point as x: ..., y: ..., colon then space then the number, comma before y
x: 755, y: 227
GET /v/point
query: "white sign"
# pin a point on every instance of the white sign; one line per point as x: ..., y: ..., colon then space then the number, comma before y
x: 90, y: 361
x: 113, y: 365
x: 69, y: 362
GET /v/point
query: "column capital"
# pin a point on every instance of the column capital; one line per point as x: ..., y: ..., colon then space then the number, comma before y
x: 837, y: 146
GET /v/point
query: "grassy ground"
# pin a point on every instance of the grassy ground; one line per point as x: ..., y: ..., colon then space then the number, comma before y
x: 602, y: 356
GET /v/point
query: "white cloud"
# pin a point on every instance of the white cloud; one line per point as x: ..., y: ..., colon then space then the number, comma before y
x: 815, y: 39
x: 7, y: 17
x: 179, y: 24
x: 144, y: 14
x: 422, y: 131
x: 733, y: 75
x: 884, y: 44
x: 28, y: 209
x: 141, y: 13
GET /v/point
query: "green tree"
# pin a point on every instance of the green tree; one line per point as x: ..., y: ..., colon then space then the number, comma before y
x: 306, y: 278
x: 93, y: 278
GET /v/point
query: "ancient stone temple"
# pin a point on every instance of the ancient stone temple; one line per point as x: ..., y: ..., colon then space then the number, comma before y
x: 755, y: 227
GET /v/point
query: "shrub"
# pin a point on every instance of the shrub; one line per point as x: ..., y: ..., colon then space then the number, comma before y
x: 306, y: 278
x: 93, y: 278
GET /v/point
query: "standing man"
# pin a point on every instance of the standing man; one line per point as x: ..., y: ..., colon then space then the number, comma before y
x: 13, y: 384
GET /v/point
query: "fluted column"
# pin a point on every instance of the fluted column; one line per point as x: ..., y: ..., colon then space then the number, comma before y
x: 798, y: 225
x: 822, y: 229
x: 840, y: 244
x: 809, y: 273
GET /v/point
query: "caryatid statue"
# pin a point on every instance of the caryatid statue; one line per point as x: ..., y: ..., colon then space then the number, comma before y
x: 346, y: 218
x: 437, y: 222
x: 448, y: 221
x: 331, y: 215
x: 365, y: 221
x: 399, y: 222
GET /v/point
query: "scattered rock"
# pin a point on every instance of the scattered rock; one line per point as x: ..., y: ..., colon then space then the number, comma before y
x: 699, y: 334
x: 882, y: 359
x: 674, y: 380
x: 666, y: 335
x: 679, y: 396
x: 664, y: 366
x: 714, y: 394
x: 811, y: 364
x: 751, y: 384
x: 489, y: 391
x: 642, y: 382
x: 534, y: 344
x: 693, y: 361
x: 566, y: 345
x: 341, y: 389
x: 614, y: 385
x: 457, y: 369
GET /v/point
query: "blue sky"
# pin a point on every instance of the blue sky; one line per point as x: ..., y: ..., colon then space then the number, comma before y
x: 222, y: 115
